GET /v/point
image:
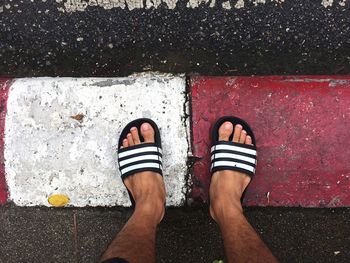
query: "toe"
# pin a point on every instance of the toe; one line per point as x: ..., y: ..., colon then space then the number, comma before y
x: 248, y: 140
x: 147, y: 132
x: 225, y: 131
x: 243, y: 136
x: 125, y: 143
x: 237, y: 133
x: 135, y: 135
x: 130, y: 140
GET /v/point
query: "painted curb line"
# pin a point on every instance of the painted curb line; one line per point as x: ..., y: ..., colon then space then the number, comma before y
x: 61, y: 136
x: 4, y: 87
x: 301, y: 125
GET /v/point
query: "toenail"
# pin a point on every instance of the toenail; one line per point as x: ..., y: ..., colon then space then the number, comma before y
x: 239, y: 126
x: 227, y: 126
x: 145, y: 126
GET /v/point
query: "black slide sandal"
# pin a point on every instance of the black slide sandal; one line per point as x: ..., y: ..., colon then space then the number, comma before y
x: 142, y: 157
x: 228, y: 155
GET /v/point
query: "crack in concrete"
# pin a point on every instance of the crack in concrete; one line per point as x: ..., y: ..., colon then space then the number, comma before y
x: 189, y: 137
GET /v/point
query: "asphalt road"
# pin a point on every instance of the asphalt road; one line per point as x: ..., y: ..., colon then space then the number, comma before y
x: 292, y: 37
x: 185, y: 235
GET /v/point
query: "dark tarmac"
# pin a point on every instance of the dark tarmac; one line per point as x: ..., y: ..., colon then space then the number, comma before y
x: 185, y: 235
x: 294, y: 37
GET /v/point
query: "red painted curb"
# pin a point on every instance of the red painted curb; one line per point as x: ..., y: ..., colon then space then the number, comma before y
x: 301, y: 125
x: 4, y: 87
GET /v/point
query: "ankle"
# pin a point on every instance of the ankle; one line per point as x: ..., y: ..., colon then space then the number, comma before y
x: 226, y: 189
x: 221, y: 208
x: 151, y: 209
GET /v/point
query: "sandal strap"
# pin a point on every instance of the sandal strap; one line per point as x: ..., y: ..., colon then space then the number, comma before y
x: 140, y: 158
x: 233, y: 156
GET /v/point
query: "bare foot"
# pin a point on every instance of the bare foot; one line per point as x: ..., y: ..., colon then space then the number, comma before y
x: 147, y: 188
x: 227, y: 187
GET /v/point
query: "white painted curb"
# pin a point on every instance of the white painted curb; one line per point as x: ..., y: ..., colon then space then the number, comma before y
x: 48, y: 150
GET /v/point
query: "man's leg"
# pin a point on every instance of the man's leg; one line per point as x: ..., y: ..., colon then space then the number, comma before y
x: 241, y: 242
x: 136, y: 241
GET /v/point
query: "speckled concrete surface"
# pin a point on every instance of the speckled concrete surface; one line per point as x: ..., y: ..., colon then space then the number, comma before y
x: 61, y: 136
x: 289, y: 37
x: 185, y: 235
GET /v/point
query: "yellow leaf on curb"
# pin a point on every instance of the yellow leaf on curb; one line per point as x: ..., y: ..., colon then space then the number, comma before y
x: 58, y: 200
